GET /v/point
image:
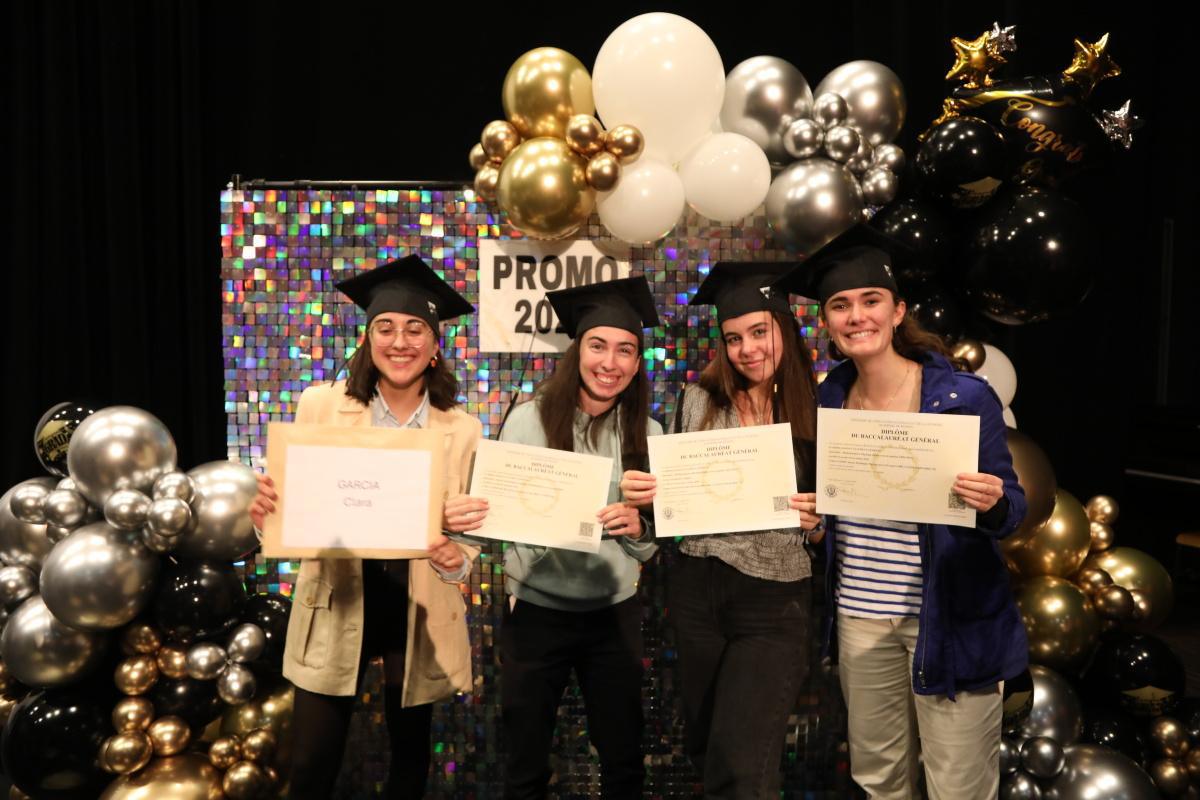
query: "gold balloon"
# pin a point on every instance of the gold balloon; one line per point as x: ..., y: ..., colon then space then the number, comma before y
x: 1060, y: 621
x: 1169, y: 737
x: 225, y: 752
x: 543, y: 89
x: 1092, y: 580
x: 7, y: 681
x: 626, y: 143
x: 245, y: 781
x: 1114, y: 602
x: 136, y: 675
x: 126, y: 752
x: 1036, y: 477
x: 971, y: 351
x: 1103, y: 508
x: 172, y: 662
x: 499, y: 139
x: 1144, y: 577
x: 7, y: 704
x: 183, y: 777
x: 1102, y: 536
x: 259, y: 746
x: 544, y: 190
x: 170, y: 735
x: 271, y: 709
x: 1192, y: 762
x: 140, y: 638
x: 486, y: 181
x: 1056, y: 547
x: 477, y: 157
x: 132, y: 714
x: 273, y: 776
x: 16, y: 794
x: 603, y: 172
x: 585, y: 135
x: 1170, y: 776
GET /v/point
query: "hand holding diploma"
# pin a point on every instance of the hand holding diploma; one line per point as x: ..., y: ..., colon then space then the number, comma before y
x: 979, y: 490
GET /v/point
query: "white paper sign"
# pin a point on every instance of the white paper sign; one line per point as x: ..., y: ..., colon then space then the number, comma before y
x: 356, y: 498
x: 514, y: 276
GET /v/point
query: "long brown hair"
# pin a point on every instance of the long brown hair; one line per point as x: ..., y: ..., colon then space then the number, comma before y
x: 439, y: 380
x: 910, y: 339
x: 794, y: 396
x: 558, y: 397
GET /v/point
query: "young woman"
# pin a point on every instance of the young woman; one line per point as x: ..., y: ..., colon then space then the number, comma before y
x: 926, y: 623
x: 347, y: 611
x: 741, y: 601
x: 572, y: 610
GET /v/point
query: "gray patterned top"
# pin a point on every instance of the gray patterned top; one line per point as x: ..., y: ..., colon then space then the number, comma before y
x: 777, y: 555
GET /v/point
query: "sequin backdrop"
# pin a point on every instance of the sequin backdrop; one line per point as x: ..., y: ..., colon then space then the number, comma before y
x: 284, y: 326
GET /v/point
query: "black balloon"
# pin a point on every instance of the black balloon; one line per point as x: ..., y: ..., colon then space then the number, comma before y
x: 270, y: 612
x: 962, y: 161
x: 920, y: 226
x: 54, y: 431
x: 196, y: 701
x: 1187, y: 711
x: 1030, y: 257
x: 1018, y: 700
x: 1114, y: 728
x: 1136, y: 673
x: 198, y: 600
x: 934, y: 308
x: 51, y: 741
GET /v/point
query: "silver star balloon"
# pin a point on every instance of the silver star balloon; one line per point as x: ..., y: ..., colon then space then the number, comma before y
x: 1002, y: 40
x: 1119, y: 125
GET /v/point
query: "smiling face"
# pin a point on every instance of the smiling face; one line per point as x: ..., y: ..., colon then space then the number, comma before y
x: 861, y: 321
x: 401, y: 348
x: 754, y: 345
x: 608, y: 361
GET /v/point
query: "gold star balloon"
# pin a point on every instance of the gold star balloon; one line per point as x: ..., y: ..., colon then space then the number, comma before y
x: 1091, y: 64
x: 976, y: 59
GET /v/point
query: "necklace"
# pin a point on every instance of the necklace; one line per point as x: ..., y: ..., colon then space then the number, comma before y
x: 759, y: 416
x: 862, y: 406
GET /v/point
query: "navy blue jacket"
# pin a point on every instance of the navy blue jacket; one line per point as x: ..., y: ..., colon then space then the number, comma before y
x: 971, y: 633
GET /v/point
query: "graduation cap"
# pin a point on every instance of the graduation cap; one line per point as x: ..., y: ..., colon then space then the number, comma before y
x: 860, y: 257
x: 625, y: 303
x: 740, y: 287
x: 405, y: 286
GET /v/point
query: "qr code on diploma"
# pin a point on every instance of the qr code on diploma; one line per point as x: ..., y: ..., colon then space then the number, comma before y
x: 780, y: 502
x: 955, y: 503
x: 587, y: 530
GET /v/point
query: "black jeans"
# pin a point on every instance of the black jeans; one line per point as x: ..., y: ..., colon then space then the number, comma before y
x: 743, y: 655
x: 538, y: 649
x: 321, y: 721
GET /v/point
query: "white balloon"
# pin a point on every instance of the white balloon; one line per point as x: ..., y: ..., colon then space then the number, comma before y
x: 662, y: 74
x: 1010, y: 419
x: 1000, y: 373
x: 725, y: 177
x: 646, y: 204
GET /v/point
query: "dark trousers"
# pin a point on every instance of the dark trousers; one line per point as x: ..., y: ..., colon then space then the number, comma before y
x: 743, y: 655
x: 538, y: 648
x: 320, y: 721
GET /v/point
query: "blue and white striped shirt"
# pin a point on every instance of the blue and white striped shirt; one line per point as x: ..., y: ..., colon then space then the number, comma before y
x: 879, y: 568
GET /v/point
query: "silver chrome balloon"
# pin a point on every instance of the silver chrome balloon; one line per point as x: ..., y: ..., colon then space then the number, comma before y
x: 1020, y: 786
x: 763, y: 96
x: 1042, y: 757
x: 829, y: 109
x: 221, y: 528
x: 236, y: 685
x: 205, y: 661
x: 121, y: 447
x: 17, y: 584
x: 28, y: 502
x: 879, y: 186
x: 158, y: 544
x: 803, y: 138
x: 890, y: 156
x: 1093, y: 772
x: 174, y: 484
x: 1010, y: 757
x: 874, y: 98
x: 98, y: 578
x: 168, y: 517
x: 246, y: 643
x: 38, y: 650
x: 861, y: 161
x: 66, y: 508
x: 22, y: 542
x: 841, y: 142
x: 811, y: 202
x: 68, y: 484
x: 1056, y: 711
x: 56, y: 533
x: 126, y: 509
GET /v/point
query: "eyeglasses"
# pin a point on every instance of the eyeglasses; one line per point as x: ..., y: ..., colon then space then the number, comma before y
x: 385, y: 333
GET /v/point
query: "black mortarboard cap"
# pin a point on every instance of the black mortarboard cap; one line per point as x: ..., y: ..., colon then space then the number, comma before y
x: 405, y: 286
x: 740, y: 287
x: 625, y: 303
x: 859, y: 258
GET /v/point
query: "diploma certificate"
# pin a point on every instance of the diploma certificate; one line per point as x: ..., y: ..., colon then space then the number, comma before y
x: 541, y: 496
x: 347, y: 492
x: 895, y: 466
x: 724, y: 481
